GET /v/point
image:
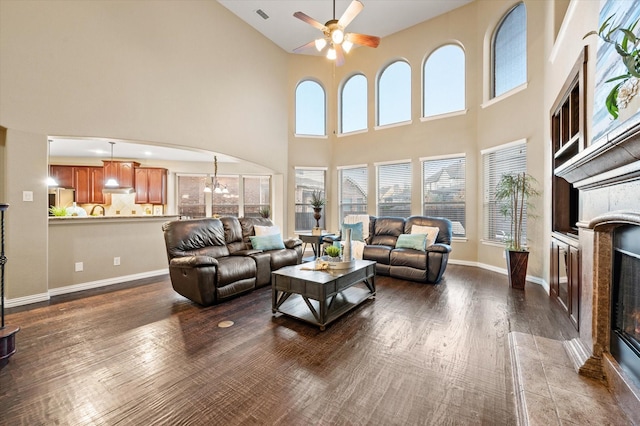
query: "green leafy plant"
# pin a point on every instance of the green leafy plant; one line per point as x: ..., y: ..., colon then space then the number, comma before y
x: 265, y: 212
x: 513, y: 192
x: 58, y: 211
x: 627, y: 47
x: 332, y: 251
x: 317, y: 201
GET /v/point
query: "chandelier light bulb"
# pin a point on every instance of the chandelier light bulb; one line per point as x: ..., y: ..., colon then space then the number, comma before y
x: 331, y: 54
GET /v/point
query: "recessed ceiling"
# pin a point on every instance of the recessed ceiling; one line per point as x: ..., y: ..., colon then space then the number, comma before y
x: 379, y: 17
x: 100, y: 148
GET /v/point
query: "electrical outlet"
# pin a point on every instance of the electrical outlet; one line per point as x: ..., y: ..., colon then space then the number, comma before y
x: 116, y: 261
x: 79, y: 267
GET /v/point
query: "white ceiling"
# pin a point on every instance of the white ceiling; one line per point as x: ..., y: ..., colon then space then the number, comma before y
x: 379, y: 17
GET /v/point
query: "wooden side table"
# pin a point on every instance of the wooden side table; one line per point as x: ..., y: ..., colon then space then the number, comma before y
x: 316, y: 244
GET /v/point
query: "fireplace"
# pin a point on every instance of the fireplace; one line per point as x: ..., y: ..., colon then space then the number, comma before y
x: 625, y: 301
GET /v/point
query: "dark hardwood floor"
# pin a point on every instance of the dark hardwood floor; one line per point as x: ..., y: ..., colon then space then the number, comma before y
x: 143, y: 355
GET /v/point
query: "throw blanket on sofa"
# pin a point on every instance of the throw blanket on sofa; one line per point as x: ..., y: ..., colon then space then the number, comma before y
x: 357, y: 247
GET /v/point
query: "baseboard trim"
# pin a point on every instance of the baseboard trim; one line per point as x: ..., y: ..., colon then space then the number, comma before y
x: 503, y: 271
x: 43, y: 297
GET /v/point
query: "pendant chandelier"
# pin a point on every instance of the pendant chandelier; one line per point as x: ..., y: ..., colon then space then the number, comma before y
x: 217, y: 188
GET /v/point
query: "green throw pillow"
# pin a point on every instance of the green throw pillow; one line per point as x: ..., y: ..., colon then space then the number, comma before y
x: 356, y: 231
x: 412, y: 241
x: 267, y: 242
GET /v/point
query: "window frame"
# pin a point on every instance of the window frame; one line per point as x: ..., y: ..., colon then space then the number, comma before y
x: 379, y: 95
x: 424, y: 115
x: 341, y: 118
x: 378, y: 167
x: 341, y: 212
x: 304, y: 204
x: 496, y: 31
x: 324, y: 110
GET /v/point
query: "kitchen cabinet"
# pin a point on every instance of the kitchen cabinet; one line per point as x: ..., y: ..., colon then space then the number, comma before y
x: 151, y: 185
x: 88, y: 183
x: 122, y: 171
x: 63, y: 175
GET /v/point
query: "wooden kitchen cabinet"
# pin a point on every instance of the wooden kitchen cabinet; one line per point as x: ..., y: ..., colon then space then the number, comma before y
x: 63, y: 175
x: 151, y: 185
x: 565, y: 275
x: 122, y: 171
x: 88, y: 183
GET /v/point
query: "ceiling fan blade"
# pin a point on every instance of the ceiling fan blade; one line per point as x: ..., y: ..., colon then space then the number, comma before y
x: 364, y: 40
x: 352, y: 11
x: 339, y: 55
x: 305, y: 46
x: 309, y: 20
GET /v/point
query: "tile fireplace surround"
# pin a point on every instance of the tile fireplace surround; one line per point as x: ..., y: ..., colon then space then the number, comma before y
x: 607, y: 173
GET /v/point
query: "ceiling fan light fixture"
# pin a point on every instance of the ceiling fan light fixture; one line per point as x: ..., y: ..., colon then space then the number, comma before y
x: 346, y: 46
x: 337, y: 36
x: 320, y: 44
x: 331, y: 54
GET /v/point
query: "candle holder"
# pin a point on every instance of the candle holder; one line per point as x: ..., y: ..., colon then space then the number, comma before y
x: 7, y: 333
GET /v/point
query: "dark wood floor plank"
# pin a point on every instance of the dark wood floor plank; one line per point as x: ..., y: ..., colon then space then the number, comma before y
x: 141, y: 354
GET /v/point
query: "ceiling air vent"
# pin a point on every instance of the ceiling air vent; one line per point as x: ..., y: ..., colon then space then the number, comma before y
x: 262, y: 14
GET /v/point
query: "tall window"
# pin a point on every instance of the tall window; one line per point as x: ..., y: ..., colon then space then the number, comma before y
x: 308, y: 181
x: 444, y: 81
x: 225, y: 200
x: 394, y: 189
x: 353, y: 190
x: 310, y: 109
x: 509, y: 51
x: 256, y: 194
x: 443, y: 189
x: 191, y: 196
x: 509, y: 158
x: 353, y: 105
x: 394, y: 94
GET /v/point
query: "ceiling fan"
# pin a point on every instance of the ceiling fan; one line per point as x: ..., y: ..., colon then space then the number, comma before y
x: 335, y: 37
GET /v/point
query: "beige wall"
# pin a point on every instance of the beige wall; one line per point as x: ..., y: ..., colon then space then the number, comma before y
x: 158, y: 72
x: 519, y: 116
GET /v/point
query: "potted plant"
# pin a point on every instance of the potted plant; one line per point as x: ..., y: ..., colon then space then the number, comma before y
x: 333, y: 252
x: 513, y: 192
x: 317, y: 202
x: 265, y: 212
x: 628, y: 86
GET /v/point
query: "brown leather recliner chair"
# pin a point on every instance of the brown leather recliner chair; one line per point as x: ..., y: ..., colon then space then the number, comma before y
x: 200, y: 265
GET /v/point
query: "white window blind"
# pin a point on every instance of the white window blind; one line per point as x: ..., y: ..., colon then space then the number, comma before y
x: 443, y: 188
x: 394, y: 189
x: 191, y: 196
x: 308, y: 181
x: 510, y: 159
x: 510, y: 51
x: 226, y: 200
x: 353, y: 191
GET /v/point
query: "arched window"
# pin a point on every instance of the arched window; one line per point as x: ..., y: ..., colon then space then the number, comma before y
x: 310, y: 109
x: 353, y: 104
x: 444, y: 81
x: 394, y: 94
x: 509, y: 51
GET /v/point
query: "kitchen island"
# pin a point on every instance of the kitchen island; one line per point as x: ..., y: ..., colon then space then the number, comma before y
x: 94, y: 251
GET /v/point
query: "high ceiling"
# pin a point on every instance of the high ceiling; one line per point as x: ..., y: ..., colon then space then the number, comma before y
x: 379, y: 17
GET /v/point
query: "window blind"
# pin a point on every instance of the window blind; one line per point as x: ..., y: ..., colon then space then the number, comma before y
x: 353, y: 191
x: 510, y: 51
x: 443, y: 189
x: 509, y: 159
x: 308, y: 181
x: 256, y: 194
x: 394, y: 189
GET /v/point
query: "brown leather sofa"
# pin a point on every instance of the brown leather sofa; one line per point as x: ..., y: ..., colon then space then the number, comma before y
x: 211, y: 260
x: 406, y: 263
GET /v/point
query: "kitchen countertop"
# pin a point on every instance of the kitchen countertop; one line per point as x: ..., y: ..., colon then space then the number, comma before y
x: 56, y: 220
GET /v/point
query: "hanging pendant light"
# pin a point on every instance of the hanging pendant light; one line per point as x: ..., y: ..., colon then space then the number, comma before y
x: 111, y: 182
x: 50, y: 180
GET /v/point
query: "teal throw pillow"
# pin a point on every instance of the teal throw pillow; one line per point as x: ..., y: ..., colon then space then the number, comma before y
x: 412, y: 241
x: 356, y: 231
x: 267, y: 242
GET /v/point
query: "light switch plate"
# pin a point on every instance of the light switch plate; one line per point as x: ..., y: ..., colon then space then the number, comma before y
x: 27, y: 195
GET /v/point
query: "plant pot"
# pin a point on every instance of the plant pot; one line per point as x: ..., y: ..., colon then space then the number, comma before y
x: 317, y: 215
x: 517, y: 268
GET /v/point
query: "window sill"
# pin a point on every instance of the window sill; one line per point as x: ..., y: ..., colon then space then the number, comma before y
x: 459, y: 239
x: 355, y: 132
x: 504, y: 95
x: 388, y: 126
x: 445, y: 115
x: 295, y: 135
